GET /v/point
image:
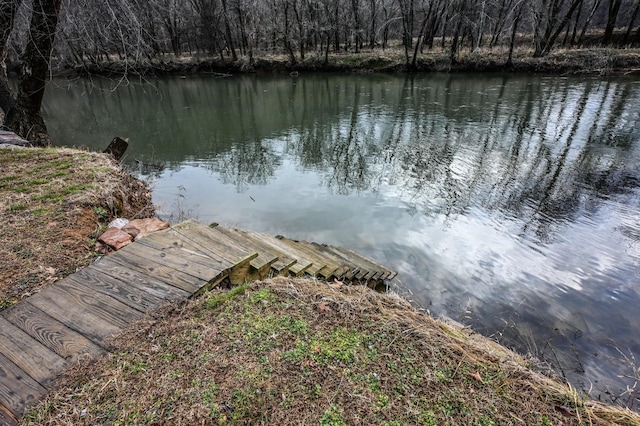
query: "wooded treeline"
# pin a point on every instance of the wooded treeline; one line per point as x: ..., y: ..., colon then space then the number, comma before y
x: 34, y: 34
x: 92, y: 31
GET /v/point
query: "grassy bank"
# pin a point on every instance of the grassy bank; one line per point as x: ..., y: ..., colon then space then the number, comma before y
x: 288, y: 351
x: 599, y: 61
x: 53, y: 204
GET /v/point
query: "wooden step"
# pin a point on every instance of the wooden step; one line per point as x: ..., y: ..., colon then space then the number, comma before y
x: 35, y: 359
x: 356, y: 258
x: 200, y: 235
x: 130, y: 266
x: 142, y: 295
x: 96, y: 316
x: 343, y: 267
x: 302, y: 263
x: 280, y: 266
x: 182, y: 260
x: 179, y: 246
x: 314, y: 263
x: 265, y: 259
x: 17, y: 389
x: 321, y: 267
x: 49, y: 332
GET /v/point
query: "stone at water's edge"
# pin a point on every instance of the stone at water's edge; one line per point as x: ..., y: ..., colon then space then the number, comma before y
x: 140, y: 228
x: 115, y: 238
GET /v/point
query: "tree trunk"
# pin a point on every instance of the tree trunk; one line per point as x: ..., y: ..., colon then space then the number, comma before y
x: 550, y: 36
x: 7, y: 14
x: 227, y: 27
x: 594, y: 7
x: 423, y: 27
x: 614, y: 8
x: 514, y: 32
x: 25, y: 117
x: 634, y: 15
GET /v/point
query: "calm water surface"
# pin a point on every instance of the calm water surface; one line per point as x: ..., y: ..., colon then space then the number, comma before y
x: 510, y: 203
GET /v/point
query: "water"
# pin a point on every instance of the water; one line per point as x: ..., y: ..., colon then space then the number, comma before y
x: 510, y: 203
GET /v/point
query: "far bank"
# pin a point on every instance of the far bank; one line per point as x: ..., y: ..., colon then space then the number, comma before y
x: 589, y: 61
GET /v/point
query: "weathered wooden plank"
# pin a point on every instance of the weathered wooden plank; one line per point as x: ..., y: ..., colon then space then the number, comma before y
x: 38, y: 361
x: 18, y: 391
x: 181, y: 246
x: 142, y: 295
x: 321, y: 266
x: 353, y: 267
x: 50, y: 332
x: 284, y: 260
x: 101, y: 305
x: 204, y: 237
x: 366, y: 262
x: 264, y: 259
x: 368, y: 269
x: 246, y: 266
x: 130, y: 265
x: 6, y: 417
x: 184, y: 261
x: 268, y: 256
x: 94, y: 315
x: 302, y: 262
x: 341, y: 266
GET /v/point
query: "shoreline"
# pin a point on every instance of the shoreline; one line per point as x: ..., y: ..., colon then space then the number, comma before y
x: 589, y: 61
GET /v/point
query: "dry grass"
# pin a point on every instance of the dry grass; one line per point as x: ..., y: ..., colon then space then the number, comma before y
x: 289, y: 351
x: 591, y: 60
x: 53, y: 203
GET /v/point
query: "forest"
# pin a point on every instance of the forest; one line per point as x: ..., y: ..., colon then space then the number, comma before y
x: 92, y: 31
x: 40, y: 38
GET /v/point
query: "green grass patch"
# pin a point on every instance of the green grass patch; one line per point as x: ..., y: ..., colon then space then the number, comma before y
x: 219, y: 299
x: 17, y: 207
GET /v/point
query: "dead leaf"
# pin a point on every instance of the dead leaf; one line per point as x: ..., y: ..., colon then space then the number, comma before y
x: 50, y: 270
x: 323, y: 307
x: 477, y: 376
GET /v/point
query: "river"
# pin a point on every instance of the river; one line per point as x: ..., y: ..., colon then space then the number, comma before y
x: 510, y: 203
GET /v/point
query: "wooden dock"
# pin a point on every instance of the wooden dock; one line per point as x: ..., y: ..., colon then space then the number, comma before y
x: 46, y: 333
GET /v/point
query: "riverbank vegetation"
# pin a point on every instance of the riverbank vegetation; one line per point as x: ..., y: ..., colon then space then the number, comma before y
x: 53, y: 204
x: 293, y: 351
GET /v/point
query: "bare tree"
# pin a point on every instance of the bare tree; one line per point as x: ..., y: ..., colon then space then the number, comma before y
x: 8, y: 9
x: 24, y: 115
x: 612, y: 15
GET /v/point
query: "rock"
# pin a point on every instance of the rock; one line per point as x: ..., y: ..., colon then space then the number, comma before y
x: 115, y: 238
x: 102, y: 248
x: 118, y: 223
x: 139, y: 228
